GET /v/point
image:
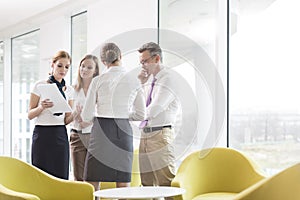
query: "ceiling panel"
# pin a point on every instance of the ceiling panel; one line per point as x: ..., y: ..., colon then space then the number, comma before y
x: 15, y: 11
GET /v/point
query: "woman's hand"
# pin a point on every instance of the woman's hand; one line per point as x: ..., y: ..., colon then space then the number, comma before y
x: 46, y: 103
x: 85, y: 124
x: 76, y: 114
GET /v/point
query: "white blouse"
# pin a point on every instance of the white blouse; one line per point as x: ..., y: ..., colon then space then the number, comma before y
x: 115, y: 94
x: 79, y: 99
x: 46, y: 117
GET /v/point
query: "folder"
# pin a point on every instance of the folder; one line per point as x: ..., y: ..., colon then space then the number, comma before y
x: 51, y: 92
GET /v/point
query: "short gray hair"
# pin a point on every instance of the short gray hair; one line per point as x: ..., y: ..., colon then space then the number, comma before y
x: 153, y: 48
x: 110, y: 53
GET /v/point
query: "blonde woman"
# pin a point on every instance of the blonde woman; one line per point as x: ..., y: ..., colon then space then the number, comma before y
x: 80, y: 130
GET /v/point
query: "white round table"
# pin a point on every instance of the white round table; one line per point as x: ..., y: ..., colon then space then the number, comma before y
x: 139, y: 192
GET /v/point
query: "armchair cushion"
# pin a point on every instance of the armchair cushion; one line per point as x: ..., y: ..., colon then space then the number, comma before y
x: 215, y: 170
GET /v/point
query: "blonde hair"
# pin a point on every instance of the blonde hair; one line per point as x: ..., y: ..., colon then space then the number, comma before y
x: 79, y: 83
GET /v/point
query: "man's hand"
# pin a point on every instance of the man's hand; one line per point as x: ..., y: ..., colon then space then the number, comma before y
x: 143, y: 76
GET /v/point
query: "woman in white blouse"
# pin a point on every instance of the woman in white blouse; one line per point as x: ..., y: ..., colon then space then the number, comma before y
x: 50, y: 146
x: 80, y: 130
x: 118, y: 98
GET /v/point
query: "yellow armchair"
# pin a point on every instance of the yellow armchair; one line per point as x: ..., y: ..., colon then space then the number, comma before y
x: 216, y: 173
x: 282, y: 186
x: 18, y: 177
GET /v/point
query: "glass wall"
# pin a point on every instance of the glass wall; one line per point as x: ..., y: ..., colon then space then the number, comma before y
x: 1, y: 96
x: 25, y: 72
x: 264, y: 81
x: 79, y: 41
x: 189, y: 35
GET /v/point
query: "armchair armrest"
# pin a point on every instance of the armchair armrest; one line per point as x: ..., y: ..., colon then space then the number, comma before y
x: 8, y: 194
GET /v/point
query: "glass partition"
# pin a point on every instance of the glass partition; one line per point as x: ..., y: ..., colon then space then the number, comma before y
x: 79, y: 41
x: 25, y: 72
x: 264, y: 82
x: 190, y: 37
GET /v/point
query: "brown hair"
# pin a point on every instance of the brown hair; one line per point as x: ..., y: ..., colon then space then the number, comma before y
x: 153, y: 48
x: 78, y: 85
x: 110, y: 53
x: 61, y: 54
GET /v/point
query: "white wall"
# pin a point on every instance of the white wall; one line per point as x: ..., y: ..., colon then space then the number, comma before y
x: 54, y: 36
x: 107, y: 19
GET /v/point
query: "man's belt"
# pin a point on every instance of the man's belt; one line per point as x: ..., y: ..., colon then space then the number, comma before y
x: 157, y: 128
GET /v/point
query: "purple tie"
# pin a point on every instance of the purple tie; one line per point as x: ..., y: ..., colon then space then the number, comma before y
x: 149, y: 99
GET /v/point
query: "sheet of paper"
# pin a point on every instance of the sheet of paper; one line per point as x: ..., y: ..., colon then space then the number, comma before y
x: 51, y: 92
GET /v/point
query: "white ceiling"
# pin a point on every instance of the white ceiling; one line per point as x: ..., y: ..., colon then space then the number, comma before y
x: 15, y: 11
x: 19, y: 15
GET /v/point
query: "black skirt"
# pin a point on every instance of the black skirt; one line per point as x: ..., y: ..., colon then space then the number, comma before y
x: 110, y: 151
x: 50, y: 150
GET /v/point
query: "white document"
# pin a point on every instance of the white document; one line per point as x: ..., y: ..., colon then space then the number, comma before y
x: 51, y: 92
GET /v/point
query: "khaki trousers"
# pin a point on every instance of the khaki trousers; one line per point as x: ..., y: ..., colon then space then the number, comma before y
x: 79, y: 144
x: 156, y: 158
